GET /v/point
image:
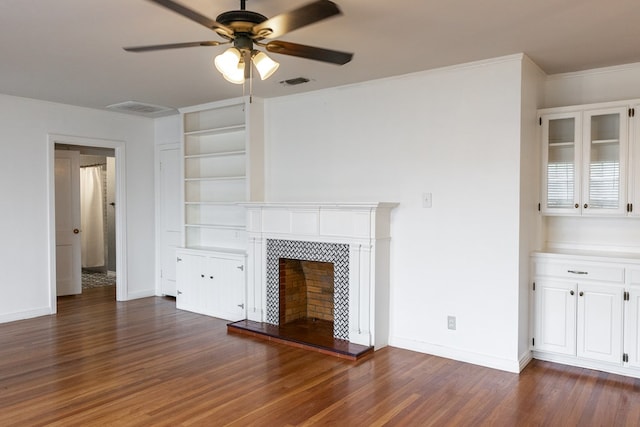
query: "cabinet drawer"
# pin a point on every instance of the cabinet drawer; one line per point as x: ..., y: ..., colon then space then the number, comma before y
x: 570, y: 270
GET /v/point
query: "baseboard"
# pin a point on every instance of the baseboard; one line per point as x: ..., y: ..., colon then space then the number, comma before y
x: 525, y: 359
x: 459, y: 355
x: 27, y: 314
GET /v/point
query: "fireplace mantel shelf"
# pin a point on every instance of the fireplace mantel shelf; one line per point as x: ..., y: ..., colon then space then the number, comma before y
x: 319, y: 205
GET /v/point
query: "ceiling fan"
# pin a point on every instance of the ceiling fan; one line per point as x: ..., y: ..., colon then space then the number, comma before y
x: 244, y: 29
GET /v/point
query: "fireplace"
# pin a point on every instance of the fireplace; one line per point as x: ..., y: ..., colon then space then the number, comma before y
x: 305, y: 242
x: 306, y: 291
x: 308, y: 254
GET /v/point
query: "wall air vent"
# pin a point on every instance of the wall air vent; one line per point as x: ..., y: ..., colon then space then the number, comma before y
x: 141, y: 109
x: 295, y: 81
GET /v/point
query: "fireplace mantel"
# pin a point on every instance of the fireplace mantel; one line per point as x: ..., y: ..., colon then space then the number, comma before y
x: 365, y: 227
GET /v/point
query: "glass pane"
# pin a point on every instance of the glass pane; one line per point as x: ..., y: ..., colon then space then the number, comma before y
x: 560, y: 165
x: 604, y: 164
x: 562, y: 130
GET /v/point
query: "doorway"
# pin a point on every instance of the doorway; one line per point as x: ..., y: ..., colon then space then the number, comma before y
x: 94, y: 252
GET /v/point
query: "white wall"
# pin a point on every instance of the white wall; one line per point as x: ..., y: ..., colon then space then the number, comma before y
x: 24, y: 230
x: 453, y: 132
x: 597, y: 85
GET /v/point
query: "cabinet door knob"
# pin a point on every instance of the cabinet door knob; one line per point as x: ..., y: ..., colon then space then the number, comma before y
x: 571, y: 293
x: 576, y: 206
x: 581, y: 293
x: 586, y: 206
x: 210, y: 277
x: 202, y: 275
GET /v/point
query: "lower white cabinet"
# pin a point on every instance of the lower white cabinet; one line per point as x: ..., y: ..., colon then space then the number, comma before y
x: 211, y: 283
x: 587, y: 311
x: 632, y: 327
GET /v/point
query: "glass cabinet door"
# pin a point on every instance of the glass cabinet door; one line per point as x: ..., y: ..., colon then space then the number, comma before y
x: 561, y: 145
x: 604, y: 154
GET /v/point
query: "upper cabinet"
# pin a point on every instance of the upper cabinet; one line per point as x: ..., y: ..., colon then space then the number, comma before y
x: 223, y: 166
x: 584, y: 160
x: 633, y: 205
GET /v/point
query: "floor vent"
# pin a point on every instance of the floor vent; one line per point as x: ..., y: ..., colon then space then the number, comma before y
x: 141, y: 109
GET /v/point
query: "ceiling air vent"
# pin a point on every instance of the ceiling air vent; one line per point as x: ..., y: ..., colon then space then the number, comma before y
x: 295, y: 81
x: 141, y: 109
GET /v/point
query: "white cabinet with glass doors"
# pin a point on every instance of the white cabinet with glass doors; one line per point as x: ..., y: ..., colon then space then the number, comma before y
x: 633, y: 202
x: 584, y: 161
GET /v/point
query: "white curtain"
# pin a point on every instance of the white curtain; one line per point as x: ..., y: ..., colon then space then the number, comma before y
x: 92, y: 216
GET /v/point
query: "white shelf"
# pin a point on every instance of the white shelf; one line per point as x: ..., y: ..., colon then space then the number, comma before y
x: 605, y: 141
x: 205, y: 132
x: 213, y: 155
x: 561, y: 144
x: 229, y: 204
x: 217, y: 178
x: 217, y: 226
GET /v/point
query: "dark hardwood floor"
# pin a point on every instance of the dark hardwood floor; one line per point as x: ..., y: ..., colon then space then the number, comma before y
x: 143, y: 363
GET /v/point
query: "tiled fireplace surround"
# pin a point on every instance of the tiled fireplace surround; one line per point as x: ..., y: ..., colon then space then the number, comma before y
x: 354, y: 237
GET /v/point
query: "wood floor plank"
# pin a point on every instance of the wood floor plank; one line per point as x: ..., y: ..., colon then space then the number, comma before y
x: 141, y: 363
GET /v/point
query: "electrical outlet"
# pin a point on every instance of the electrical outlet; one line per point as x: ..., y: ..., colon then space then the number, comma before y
x: 451, y: 322
x: 427, y: 200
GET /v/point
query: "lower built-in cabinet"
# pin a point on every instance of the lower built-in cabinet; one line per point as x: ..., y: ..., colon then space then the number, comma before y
x: 211, y: 283
x: 586, y: 311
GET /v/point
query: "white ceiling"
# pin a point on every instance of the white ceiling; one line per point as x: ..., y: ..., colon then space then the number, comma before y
x: 70, y: 51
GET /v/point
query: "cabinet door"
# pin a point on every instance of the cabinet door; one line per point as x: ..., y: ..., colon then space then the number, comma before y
x: 604, y: 161
x: 231, y: 281
x: 634, y: 163
x: 561, y: 160
x: 555, y: 314
x: 600, y: 322
x: 632, y: 328
x: 189, y: 278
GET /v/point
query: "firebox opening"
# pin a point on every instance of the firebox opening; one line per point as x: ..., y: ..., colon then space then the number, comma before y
x: 306, y: 294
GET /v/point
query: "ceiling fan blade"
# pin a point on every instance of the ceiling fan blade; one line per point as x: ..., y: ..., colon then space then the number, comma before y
x: 194, y: 16
x: 297, y: 18
x: 309, y: 52
x: 169, y: 46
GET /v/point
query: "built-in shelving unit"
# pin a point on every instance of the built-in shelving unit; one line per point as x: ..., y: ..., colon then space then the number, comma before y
x: 223, y: 167
x: 223, y: 158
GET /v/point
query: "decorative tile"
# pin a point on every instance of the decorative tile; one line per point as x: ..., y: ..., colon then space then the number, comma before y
x: 336, y: 253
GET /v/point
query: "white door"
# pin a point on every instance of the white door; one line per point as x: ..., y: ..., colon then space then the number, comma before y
x: 555, y: 314
x: 190, y: 274
x: 170, y: 220
x: 67, y: 197
x: 600, y: 322
x: 232, y: 289
x: 632, y: 327
x: 604, y: 190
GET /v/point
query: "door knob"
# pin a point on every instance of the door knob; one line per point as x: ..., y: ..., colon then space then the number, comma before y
x: 76, y: 231
x: 571, y: 292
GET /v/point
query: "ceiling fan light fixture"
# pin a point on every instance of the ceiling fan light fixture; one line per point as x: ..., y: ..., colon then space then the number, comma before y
x: 228, y: 63
x: 265, y: 65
